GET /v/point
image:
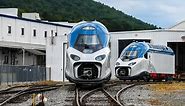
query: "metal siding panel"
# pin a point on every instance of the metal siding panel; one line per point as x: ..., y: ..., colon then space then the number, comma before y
x: 163, y: 63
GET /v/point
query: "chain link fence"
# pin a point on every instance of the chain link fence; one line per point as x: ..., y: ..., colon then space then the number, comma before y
x: 23, y: 74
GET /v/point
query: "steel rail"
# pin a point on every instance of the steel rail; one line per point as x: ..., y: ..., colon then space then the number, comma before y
x: 117, y: 97
x: 14, y: 96
x: 87, y: 95
x: 92, y: 92
x: 77, y: 97
x: 111, y: 98
x: 10, y: 88
x: 27, y: 91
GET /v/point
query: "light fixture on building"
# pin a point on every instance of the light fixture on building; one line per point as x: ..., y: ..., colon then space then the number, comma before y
x: 183, y: 38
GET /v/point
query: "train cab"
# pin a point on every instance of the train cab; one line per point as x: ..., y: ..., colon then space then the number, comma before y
x: 88, y: 54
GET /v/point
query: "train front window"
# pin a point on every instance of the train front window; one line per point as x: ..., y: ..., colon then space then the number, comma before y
x: 88, y: 43
x: 129, y: 55
x: 132, y: 52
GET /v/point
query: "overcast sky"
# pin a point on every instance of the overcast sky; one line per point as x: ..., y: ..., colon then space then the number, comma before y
x: 163, y: 13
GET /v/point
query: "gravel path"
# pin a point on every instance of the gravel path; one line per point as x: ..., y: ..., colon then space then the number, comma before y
x: 137, y: 96
x: 175, y: 98
x: 142, y: 96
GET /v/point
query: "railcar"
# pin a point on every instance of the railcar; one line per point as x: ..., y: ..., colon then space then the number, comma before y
x: 141, y: 60
x: 88, y: 54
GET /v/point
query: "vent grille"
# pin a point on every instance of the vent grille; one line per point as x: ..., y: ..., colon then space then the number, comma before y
x: 88, y: 71
x: 123, y: 71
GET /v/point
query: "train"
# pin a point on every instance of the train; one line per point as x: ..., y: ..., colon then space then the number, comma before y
x: 141, y: 60
x: 88, y: 54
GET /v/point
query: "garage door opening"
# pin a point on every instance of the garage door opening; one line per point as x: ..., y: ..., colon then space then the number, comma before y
x: 179, y: 50
x: 123, y: 43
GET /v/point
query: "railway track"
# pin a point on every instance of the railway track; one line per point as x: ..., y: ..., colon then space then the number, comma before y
x: 10, y: 94
x: 101, y: 96
x: 109, y: 94
x: 118, y: 94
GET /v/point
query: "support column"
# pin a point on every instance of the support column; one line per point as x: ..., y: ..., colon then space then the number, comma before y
x: 23, y: 56
x: 177, y: 55
x: 64, y: 60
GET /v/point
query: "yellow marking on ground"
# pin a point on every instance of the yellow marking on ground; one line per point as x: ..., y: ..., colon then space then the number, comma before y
x: 167, y: 87
x: 154, y: 102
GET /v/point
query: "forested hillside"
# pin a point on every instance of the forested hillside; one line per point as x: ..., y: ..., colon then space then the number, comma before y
x: 77, y: 10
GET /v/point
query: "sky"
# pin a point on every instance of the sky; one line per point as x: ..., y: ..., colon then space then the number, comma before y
x: 163, y: 13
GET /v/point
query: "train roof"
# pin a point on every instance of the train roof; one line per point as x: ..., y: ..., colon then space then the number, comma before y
x: 89, y: 28
x: 89, y: 24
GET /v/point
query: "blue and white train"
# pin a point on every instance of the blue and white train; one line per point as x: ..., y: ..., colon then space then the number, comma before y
x: 88, y: 54
x: 145, y: 61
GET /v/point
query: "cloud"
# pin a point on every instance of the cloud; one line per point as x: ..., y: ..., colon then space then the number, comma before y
x: 163, y: 13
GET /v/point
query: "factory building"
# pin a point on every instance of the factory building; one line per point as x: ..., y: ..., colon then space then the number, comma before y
x: 23, y: 40
x: 23, y: 46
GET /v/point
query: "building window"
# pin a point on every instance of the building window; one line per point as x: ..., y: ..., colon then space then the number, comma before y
x: 5, y: 60
x: 9, y: 29
x: 55, y: 33
x: 34, y: 32
x: 51, y: 32
x: 45, y: 34
x: 22, y: 31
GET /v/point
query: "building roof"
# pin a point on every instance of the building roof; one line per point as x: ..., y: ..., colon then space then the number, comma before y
x: 146, y: 31
x: 180, y: 25
x: 36, y: 21
x: 22, y: 45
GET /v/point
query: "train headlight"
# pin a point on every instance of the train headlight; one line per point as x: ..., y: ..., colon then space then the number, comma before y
x: 117, y: 63
x: 132, y: 63
x: 100, y: 57
x: 75, y: 57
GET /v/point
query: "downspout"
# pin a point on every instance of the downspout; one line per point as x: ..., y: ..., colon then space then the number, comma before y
x: 23, y: 56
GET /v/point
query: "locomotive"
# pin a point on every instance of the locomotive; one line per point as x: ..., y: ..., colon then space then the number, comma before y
x: 141, y: 60
x: 88, y: 54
